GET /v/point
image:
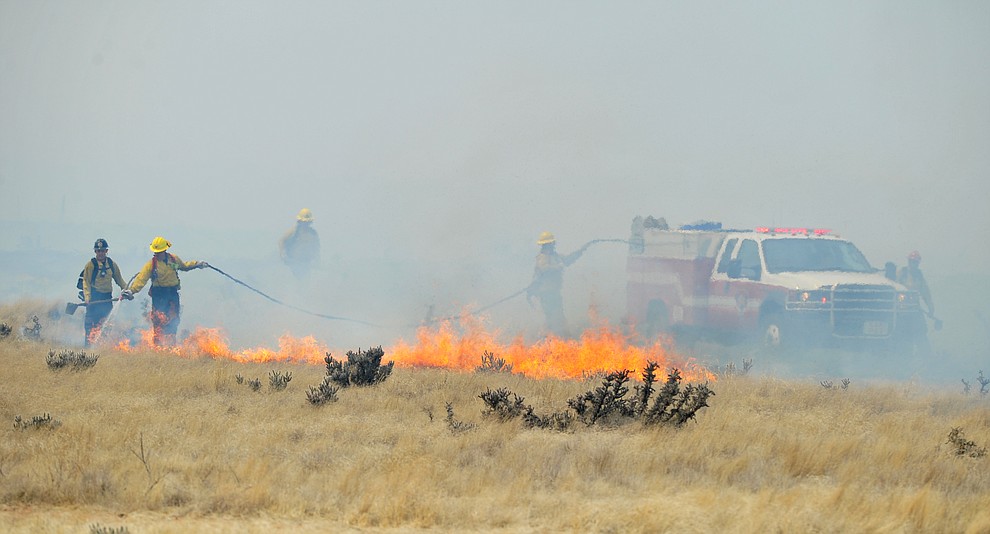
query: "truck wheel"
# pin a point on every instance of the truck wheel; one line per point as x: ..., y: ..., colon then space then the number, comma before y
x: 774, y: 334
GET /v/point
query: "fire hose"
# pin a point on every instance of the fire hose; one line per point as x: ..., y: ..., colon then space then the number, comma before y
x: 276, y: 301
x: 430, y: 321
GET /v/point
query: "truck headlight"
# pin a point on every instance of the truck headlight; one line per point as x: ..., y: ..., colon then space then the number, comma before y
x: 907, y: 300
x: 809, y: 299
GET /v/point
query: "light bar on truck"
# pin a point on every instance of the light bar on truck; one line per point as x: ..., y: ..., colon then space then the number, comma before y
x: 792, y: 231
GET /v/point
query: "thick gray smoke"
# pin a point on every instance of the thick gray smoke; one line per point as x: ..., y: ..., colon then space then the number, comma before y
x: 434, y: 142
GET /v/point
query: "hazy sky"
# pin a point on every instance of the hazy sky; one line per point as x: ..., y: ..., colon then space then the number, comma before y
x: 469, y: 121
x: 452, y: 130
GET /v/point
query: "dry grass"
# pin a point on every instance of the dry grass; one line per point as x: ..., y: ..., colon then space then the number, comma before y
x: 158, y: 443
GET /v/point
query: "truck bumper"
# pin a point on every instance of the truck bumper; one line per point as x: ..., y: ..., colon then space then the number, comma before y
x: 827, y: 327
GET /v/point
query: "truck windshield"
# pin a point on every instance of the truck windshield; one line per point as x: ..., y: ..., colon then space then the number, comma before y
x: 802, y: 254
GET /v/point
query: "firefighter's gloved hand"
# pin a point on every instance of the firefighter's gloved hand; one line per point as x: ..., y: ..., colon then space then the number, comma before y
x: 203, y: 265
x: 127, y: 294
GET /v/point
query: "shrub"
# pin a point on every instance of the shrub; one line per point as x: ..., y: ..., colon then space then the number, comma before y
x: 362, y: 368
x: 143, y: 454
x: 605, y: 400
x: 278, y: 381
x: 33, y: 332
x: 559, y: 421
x: 71, y: 360
x: 671, y: 405
x: 964, y: 447
x: 730, y: 368
x: 322, y: 394
x: 984, y: 383
x: 454, y: 425
x: 4, y: 330
x: 499, y: 405
x: 492, y: 364
x: 503, y: 409
x: 674, y: 405
x: 844, y: 384
x: 592, y: 375
x: 37, y: 422
x: 254, y: 384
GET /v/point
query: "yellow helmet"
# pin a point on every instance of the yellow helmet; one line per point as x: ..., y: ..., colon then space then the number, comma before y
x: 545, y: 239
x: 305, y: 215
x: 160, y: 244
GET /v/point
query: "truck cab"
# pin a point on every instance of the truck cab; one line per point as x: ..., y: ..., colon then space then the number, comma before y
x: 779, y: 285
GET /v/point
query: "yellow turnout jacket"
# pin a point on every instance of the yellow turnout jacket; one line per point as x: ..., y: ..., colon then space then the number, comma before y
x: 166, y: 272
x: 108, y: 273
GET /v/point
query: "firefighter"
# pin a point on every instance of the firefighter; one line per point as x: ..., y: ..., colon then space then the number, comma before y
x: 162, y: 271
x: 548, y: 281
x: 300, y: 246
x: 97, y: 278
x: 911, y: 277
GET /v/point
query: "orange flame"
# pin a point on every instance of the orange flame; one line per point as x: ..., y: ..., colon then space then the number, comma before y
x: 93, y: 337
x: 601, y: 349
x: 213, y: 343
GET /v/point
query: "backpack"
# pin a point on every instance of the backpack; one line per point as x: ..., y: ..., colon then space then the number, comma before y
x: 92, y: 278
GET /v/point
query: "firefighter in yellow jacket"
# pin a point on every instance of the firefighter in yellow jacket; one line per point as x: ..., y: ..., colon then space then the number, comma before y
x: 300, y: 246
x: 911, y: 277
x: 548, y: 281
x: 98, y: 277
x: 163, y: 273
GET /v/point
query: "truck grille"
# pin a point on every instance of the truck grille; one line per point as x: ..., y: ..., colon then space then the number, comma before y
x: 863, y: 310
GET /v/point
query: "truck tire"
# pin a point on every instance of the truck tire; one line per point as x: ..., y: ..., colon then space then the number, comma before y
x: 773, y: 330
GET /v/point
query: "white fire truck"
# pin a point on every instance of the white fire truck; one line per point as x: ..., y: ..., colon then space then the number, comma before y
x: 782, y: 285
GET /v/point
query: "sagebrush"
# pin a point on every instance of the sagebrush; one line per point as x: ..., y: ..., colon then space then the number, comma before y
x: 672, y: 405
x: 362, y: 368
x: 70, y: 360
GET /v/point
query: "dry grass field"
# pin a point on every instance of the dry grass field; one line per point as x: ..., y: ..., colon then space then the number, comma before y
x: 152, y: 442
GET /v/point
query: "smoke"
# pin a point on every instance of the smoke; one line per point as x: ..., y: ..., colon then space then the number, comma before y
x: 433, y: 143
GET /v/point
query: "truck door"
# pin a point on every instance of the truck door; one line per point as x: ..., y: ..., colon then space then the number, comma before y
x: 748, y: 291
x: 734, y: 284
x: 720, y: 314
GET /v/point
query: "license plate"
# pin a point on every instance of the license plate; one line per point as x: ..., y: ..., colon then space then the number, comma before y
x: 875, y: 328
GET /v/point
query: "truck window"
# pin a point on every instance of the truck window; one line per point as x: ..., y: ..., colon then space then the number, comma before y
x: 803, y: 254
x: 723, y: 263
x: 749, y: 260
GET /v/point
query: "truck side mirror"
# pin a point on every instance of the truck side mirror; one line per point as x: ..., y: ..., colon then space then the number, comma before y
x: 890, y: 270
